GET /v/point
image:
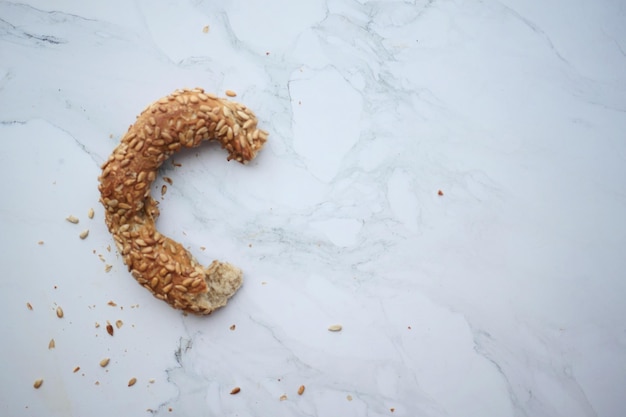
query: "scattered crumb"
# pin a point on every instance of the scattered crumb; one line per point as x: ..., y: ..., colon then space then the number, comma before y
x: 283, y: 397
x: 132, y: 381
x: 108, y: 248
x: 76, y: 369
x: 335, y: 328
x: 107, y: 268
x: 163, y: 189
x: 176, y: 164
x: 97, y: 382
x: 349, y: 397
x: 263, y: 283
x: 109, y: 329
x: 231, y: 93
x: 301, y: 390
x: 59, y: 312
x: 40, y: 242
x: 439, y: 192
x: 205, y: 29
x: 119, y: 324
x: 235, y: 390
x: 232, y: 327
x: 104, y: 362
x: 267, y: 53
x: 202, y: 248
x: 29, y: 306
x: 392, y: 409
x: 90, y: 213
x: 38, y: 383
x: 97, y: 325
x: 168, y: 180
x: 72, y: 219
x: 84, y: 234
x: 151, y: 380
x: 112, y: 303
x: 52, y: 344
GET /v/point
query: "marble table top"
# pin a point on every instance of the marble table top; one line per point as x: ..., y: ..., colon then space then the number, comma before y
x: 446, y: 180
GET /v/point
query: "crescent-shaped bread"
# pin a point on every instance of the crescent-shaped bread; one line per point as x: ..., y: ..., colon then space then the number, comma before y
x: 184, y: 119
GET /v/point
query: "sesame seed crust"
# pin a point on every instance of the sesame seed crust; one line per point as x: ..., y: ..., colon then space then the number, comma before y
x: 184, y: 119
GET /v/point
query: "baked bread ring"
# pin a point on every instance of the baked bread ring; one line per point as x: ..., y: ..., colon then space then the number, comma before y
x: 185, y: 118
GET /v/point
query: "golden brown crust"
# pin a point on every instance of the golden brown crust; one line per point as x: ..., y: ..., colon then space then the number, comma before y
x: 185, y: 118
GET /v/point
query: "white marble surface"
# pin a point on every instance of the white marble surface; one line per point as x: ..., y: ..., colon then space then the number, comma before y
x: 505, y: 296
